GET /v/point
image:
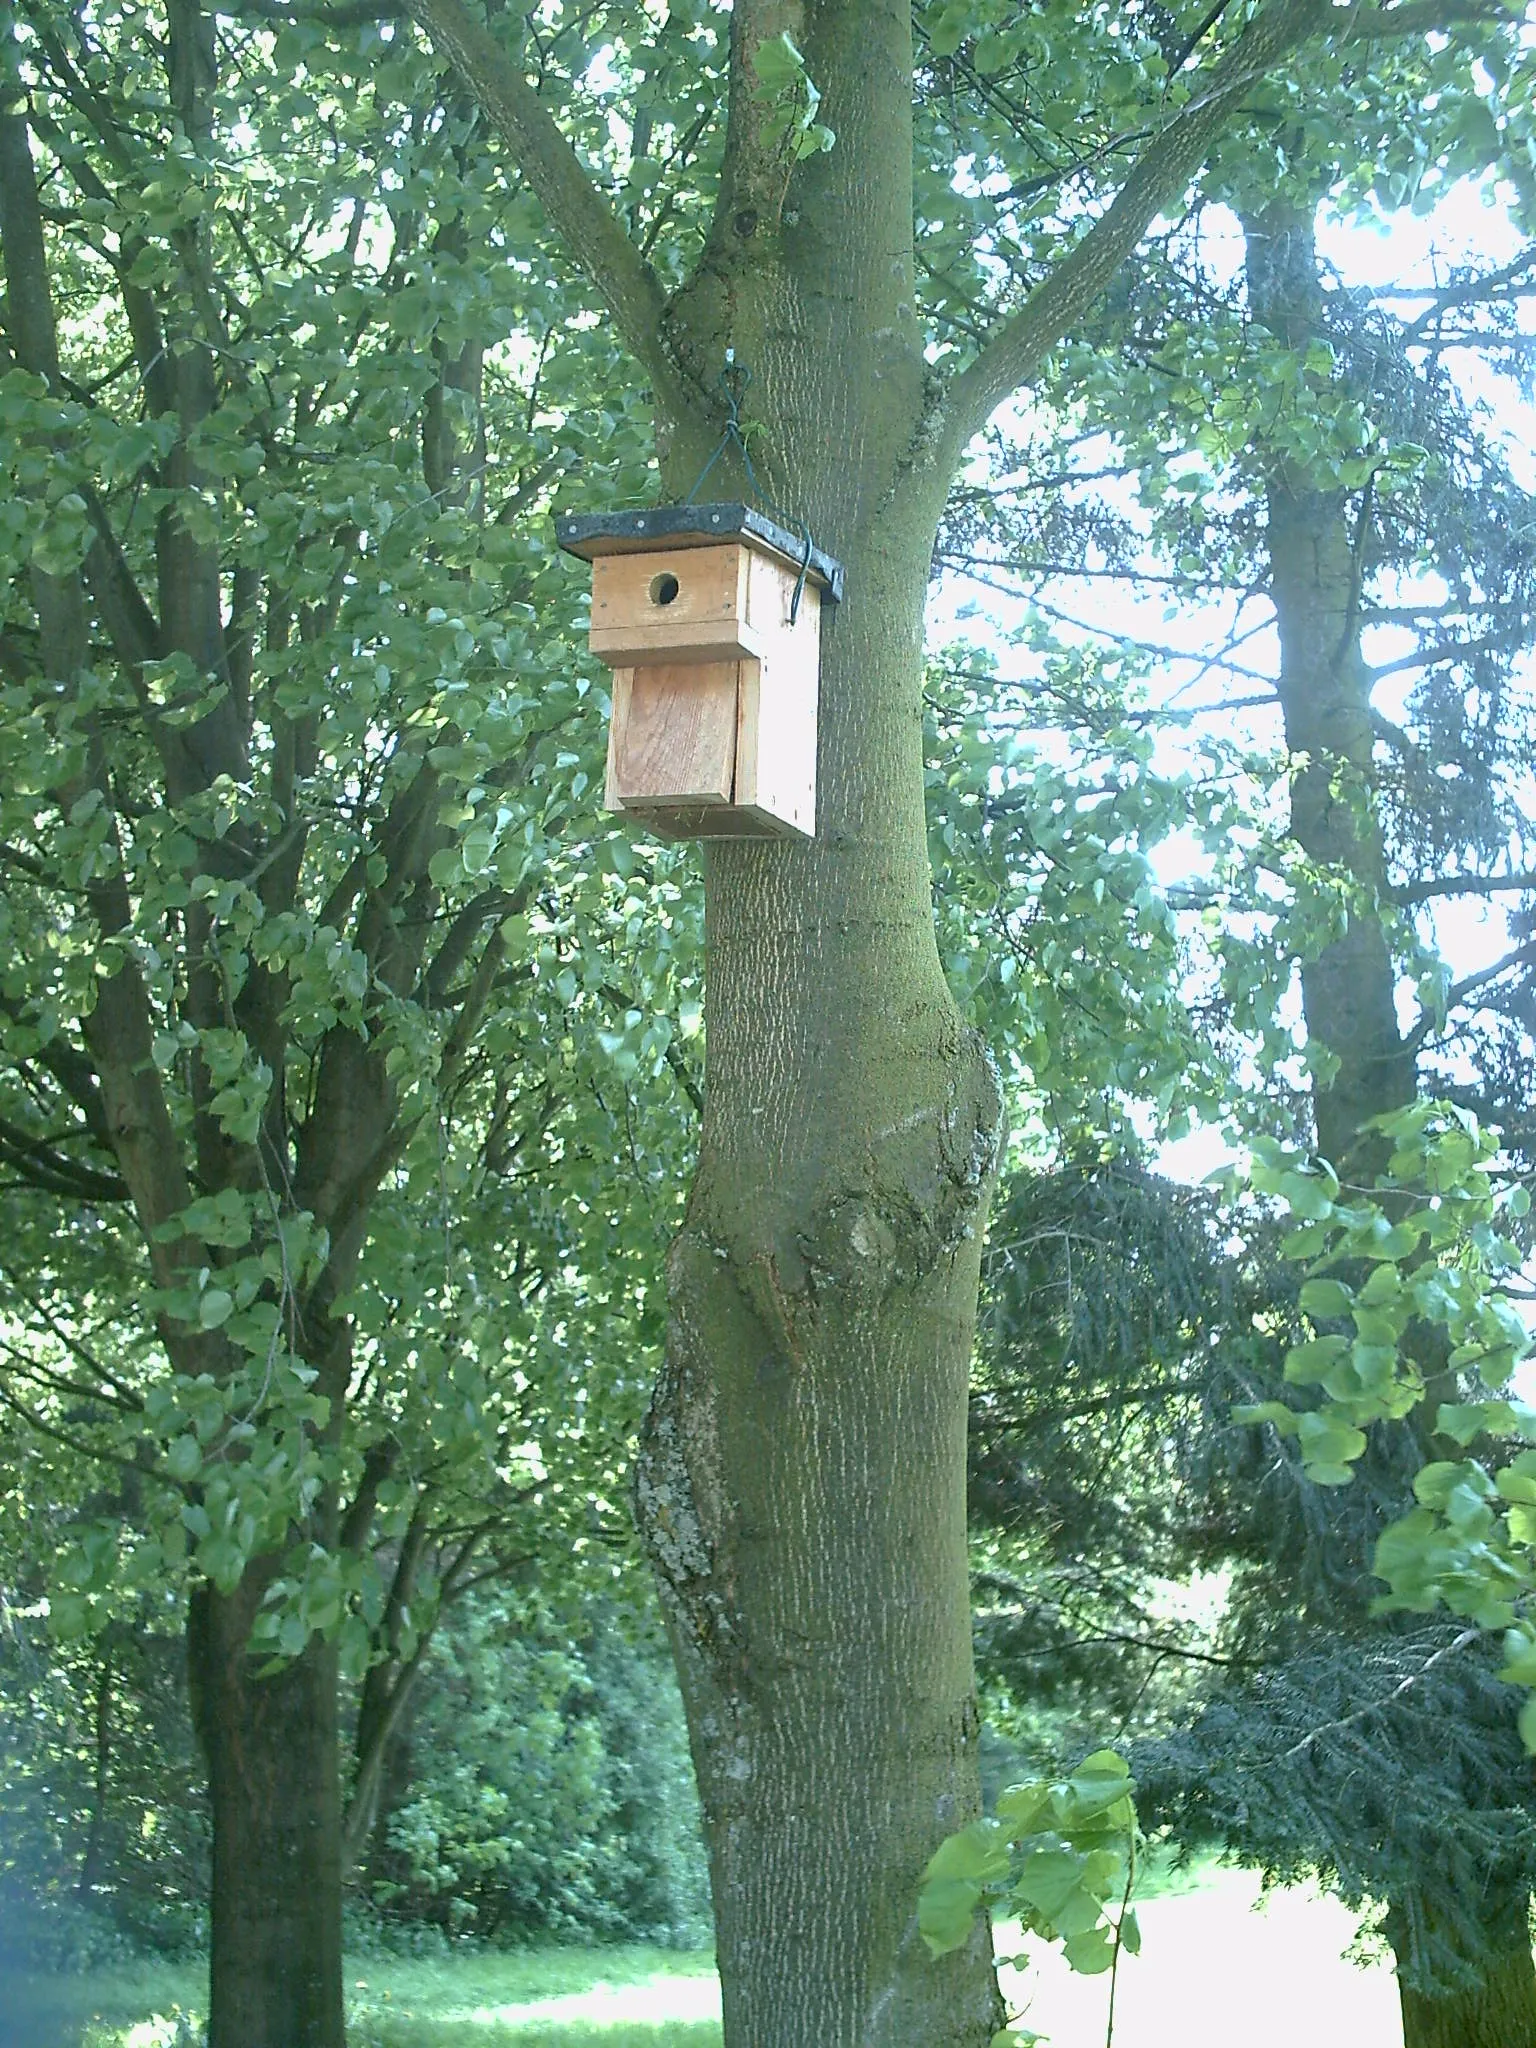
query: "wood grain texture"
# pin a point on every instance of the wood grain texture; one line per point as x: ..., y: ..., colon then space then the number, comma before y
x: 710, y: 748
x: 673, y: 737
x: 705, y: 821
x: 673, y: 604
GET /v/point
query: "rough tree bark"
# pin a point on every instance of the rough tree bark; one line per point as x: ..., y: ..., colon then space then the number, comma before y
x: 801, y: 1487
x: 1497, y: 2013
x: 801, y: 1483
x: 274, y: 1796
x: 1317, y: 558
x: 1498, y: 2008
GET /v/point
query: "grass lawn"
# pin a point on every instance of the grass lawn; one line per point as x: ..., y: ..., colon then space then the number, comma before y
x: 546, y: 1998
x: 1212, y: 1970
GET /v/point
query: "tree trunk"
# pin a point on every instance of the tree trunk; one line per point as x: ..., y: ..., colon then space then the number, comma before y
x: 802, y: 1478
x: 1497, y: 2011
x: 802, y: 1481
x: 274, y: 1790
x: 1348, y: 990
x: 1316, y: 563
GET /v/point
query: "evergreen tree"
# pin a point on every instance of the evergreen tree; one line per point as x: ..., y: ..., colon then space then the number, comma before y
x: 1382, y: 1754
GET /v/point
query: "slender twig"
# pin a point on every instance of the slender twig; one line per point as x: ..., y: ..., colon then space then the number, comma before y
x: 1462, y: 1642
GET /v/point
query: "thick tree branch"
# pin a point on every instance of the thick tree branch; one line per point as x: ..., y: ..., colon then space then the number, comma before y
x: 343, y: 14
x: 1446, y: 651
x: 97, y: 1452
x: 131, y: 625
x: 1457, y: 994
x: 1464, y: 1641
x: 77, y: 1077
x: 43, y: 1166
x: 593, y: 236
x: 118, y: 1029
x: 1489, y: 286
x: 1463, y: 885
x: 1421, y: 18
x: 1014, y: 352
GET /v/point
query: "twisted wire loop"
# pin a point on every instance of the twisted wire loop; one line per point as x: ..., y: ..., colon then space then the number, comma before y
x: 732, y: 385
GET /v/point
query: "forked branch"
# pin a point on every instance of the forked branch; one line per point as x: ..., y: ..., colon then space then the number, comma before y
x: 590, y: 230
x: 1013, y: 354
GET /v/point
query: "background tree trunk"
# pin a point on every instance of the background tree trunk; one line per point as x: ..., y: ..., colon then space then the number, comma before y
x: 1499, y: 2011
x: 1316, y: 565
x: 1348, y: 991
x: 274, y: 1791
x: 1497, y: 2014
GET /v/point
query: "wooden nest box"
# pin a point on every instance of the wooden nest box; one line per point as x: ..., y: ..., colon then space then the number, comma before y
x: 715, y: 666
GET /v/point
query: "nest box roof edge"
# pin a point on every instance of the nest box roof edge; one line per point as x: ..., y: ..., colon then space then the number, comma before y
x: 589, y: 534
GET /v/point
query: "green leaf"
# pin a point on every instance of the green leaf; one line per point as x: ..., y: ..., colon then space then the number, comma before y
x: 1329, y: 1445
x: 1326, y: 1298
x: 778, y: 64
x: 1020, y: 1806
x: 946, y: 1912
x: 1307, y: 1195
x: 1519, y: 1658
x: 1307, y: 1364
x: 1275, y: 1413
x: 1090, y: 1954
x: 215, y: 1305
x: 1098, y: 1782
x: 1437, y: 1483
x: 184, y: 1458
x: 977, y: 1854
x: 1047, y: 1879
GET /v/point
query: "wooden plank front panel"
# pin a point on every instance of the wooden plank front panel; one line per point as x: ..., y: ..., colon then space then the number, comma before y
x: 677, y: 604
x: 673, y: 738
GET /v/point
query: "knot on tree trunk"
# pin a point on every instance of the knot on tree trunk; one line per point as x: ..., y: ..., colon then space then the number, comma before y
x: 920, y: 1192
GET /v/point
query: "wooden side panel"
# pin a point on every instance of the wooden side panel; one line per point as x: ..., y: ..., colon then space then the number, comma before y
x: 671, y: 604
x: 618, y: 722
x: 673, y: 736
x: 776, y: 721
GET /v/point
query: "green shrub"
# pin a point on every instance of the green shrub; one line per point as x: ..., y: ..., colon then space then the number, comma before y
x: 542, y: 1790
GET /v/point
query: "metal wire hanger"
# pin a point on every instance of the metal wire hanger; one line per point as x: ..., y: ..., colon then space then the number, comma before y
x: 732, y: 385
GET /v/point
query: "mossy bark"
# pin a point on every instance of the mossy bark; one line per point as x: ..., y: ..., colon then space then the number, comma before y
x: 802, y: 1484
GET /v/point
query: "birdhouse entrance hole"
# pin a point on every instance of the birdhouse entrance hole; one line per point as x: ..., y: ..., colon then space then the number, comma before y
x: 710, y: 618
